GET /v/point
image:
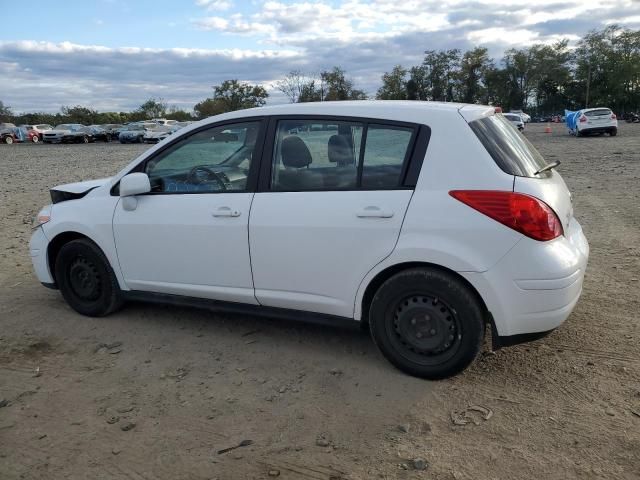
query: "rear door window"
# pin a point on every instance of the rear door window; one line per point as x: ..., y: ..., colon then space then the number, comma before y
x: 385, y: 152
x: 333, y: 154
x: 510, y: 149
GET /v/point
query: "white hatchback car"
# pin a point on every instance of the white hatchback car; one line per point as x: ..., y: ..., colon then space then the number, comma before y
x: 515, y: 119
x: 425, y: 221
x: 595, y: 121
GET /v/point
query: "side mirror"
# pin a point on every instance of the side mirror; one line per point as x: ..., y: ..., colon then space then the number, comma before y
x: 132, y: 185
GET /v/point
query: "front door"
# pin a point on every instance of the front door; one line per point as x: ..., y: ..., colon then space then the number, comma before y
x: 189, y: 236
x: 332, y: 209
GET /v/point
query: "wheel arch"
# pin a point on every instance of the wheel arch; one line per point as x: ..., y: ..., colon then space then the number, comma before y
x: 382, y: 276
x: 57, y: 242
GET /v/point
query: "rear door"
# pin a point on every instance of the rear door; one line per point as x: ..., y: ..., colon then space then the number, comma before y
x: 329, y: 207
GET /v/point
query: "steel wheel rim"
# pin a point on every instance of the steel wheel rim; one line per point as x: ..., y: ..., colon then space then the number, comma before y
x: 424, y: 329
x: 84, y: 279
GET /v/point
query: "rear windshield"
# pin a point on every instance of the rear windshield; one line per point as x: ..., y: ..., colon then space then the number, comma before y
x: 510, y: 149
x: 597, y: 113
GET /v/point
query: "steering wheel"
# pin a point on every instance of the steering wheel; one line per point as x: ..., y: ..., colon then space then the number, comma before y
x: 195, y: 177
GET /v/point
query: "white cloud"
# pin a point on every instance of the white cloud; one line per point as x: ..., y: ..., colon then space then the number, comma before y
x: 220, y: 5
x: 366, y: 38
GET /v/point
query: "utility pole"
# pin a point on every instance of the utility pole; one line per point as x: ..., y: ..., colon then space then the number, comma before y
x: 586, y: 103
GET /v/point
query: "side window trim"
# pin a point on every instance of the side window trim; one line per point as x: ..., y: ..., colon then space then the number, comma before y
x: 412, y: 161
x: 414, y: 166
x: 252, y: 178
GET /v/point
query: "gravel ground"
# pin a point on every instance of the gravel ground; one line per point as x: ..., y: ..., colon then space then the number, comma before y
x: 154, y: 392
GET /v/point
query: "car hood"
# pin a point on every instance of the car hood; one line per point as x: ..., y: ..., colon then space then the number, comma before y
x: 71, y: 191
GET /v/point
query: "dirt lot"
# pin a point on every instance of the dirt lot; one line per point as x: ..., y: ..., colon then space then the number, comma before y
x: 317, y: 403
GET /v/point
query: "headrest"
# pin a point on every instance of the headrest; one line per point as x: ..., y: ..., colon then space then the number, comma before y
x: 339, y: 151
x: 295, y: 152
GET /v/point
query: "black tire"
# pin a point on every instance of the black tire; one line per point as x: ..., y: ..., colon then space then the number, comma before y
x: 428, y: 323
x: 613, y: 132
x: 86, y: 280
x: 8, y: 140
x: 85, y: 139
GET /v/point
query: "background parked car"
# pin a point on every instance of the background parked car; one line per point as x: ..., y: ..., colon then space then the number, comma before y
x: 113, y: 129
x: 156, y: 135
x: 99, y: 133
x: 24, y: 134
x: 69, y: 133
x: 632, y: 117
x: 39, y: 128
x: 7, y: 135
x: 525, y: 117
x: 134, y: 132
x: 515, y: 119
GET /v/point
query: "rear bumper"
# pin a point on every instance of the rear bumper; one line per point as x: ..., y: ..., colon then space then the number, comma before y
x: 598, y: 129
x: 535, y: 287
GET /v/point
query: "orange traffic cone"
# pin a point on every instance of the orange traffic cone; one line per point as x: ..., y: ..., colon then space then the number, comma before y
x: 547, y: 129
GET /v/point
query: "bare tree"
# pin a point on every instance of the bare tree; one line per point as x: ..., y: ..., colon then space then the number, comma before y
x: 293, y: 85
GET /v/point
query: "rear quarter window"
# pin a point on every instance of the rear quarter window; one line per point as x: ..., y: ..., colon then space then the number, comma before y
x: 510, y: 149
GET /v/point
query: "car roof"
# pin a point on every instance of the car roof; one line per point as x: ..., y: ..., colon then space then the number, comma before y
x: 595, y: 108
x: 407, y: 110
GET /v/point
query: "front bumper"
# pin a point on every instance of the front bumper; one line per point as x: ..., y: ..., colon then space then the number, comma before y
x: 38, y: 251
x: 536, y: 285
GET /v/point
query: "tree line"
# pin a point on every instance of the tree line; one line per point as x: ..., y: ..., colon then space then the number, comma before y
x: 602, y: 70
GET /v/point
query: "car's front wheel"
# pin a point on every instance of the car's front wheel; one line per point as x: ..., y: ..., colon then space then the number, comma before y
x: 35, y: 139
x: 8, y: 140
x: 427, y: 322
x: 86, y: 279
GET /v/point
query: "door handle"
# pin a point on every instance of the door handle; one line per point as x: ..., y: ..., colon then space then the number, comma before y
x: 226, y: 212
x: 374, y: 212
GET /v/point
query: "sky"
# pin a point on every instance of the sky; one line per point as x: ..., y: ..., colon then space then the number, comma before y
x: 112, y: 55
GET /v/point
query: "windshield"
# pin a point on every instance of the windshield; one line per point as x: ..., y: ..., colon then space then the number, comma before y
x: 511, y: 150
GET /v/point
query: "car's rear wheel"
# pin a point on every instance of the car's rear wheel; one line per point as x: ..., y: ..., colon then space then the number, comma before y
x: 8, y: 140
x: 613, y: 132
x: 85, y: 139
x: 427, y: 322
x: 86, y: 279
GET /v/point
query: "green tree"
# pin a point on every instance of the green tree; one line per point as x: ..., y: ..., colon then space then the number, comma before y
x: 338, y: 87
x: 79, y: 114
x: 5, y: 112
x: 235, y: 95
x: 394, y: 85
x: 152, y: 108
x: 330, y: 85
x: 474, y: 66
x: 229, y: 96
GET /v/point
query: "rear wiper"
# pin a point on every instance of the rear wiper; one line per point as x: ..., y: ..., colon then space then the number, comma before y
x: 548, y: 167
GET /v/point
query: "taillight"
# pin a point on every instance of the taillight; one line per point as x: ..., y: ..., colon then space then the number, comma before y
x: 583, y: 119
x: 613, y: 116
x: 524, y: 213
